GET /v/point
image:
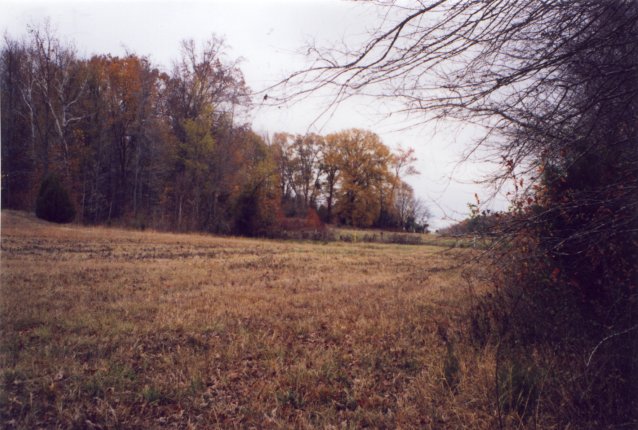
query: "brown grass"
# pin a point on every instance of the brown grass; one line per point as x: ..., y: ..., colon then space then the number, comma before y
x: 107, y: 328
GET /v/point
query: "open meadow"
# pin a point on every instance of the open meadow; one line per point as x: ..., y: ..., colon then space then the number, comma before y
x: 110, y: 328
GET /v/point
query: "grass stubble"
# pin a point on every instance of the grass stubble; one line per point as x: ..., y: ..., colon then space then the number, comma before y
x: 108, y: 328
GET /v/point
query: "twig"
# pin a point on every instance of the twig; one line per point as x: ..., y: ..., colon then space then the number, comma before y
x: 606, y: 339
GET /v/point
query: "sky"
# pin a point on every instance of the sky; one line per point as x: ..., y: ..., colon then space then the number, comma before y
x: 269, y: 36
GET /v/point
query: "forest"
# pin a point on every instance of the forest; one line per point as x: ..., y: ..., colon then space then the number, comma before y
x: 136, y: 146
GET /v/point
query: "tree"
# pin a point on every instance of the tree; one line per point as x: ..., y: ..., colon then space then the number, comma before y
x: 398, y: 199
x: 351, y: 170
x: 129, y: 103
x: 119, y: 137
x: 418, y: 220
x: 53, y: 86
x: 258, y: 202
x: 198, y: 159
x: 132, y: 145
x: 281, y: 153
x: 204, y: 89
x: 364, y: 173
x: 412, y: 212
x: 306, y: 150
x: 18, y: 155
x: 329, y: 165
x: 44, y: 83
x: 298, y: 165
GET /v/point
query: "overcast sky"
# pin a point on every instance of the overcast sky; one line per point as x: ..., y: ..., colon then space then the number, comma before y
x: 269, y: 36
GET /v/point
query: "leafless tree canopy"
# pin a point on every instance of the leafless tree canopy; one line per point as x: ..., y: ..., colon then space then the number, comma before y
x: 507, y: 65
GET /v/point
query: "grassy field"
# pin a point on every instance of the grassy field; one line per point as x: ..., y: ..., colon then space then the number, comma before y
x: 345, y: 234
x: 107, y: 328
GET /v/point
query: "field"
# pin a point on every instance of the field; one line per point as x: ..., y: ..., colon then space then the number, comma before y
x: 109, y: 328
x: 379, y: 236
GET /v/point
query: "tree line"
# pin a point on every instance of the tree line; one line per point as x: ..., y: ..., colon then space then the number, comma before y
x: 135, y: 145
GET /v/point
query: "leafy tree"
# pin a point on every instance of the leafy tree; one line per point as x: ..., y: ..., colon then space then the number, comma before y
x: 197, y: 161
x: 298, y: 166
x: 330, y: 166
x: 204, y: 92
x: 258, y: 202
x: 364, y: 172
x: 120, y: 132
x: 132, y: 143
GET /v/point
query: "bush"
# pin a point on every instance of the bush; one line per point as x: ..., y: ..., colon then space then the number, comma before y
x: 53, y: 202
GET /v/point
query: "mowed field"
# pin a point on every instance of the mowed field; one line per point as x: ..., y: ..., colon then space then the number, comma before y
x: 108, y: 328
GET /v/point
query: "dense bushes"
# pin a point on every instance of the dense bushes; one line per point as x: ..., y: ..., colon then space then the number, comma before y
x: 566, y: 296
x: 566, y: 273
x: 53, y: 202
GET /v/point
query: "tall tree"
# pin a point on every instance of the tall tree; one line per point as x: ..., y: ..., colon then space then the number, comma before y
x: 18, y: 151
x: 282, y: 155
x: 306, y: 150
x: 330, y: 166
x: 58, y: 81
x: 204, y: 87
x: 364, y: 163
x: 258, y: 201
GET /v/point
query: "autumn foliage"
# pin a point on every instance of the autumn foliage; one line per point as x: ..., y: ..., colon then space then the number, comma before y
x: 349, y: 177
x: 135, y: 145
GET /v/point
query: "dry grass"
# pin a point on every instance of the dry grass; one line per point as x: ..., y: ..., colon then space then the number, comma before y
x: 106, y: 328
x: 346, y: 234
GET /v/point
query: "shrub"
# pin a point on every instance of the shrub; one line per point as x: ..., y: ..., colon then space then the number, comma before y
x: 53, y: 202
x: 309, y: 222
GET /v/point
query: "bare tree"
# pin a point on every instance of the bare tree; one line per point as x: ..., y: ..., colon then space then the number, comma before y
x: 59, y: 82
x: 503, y: 65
